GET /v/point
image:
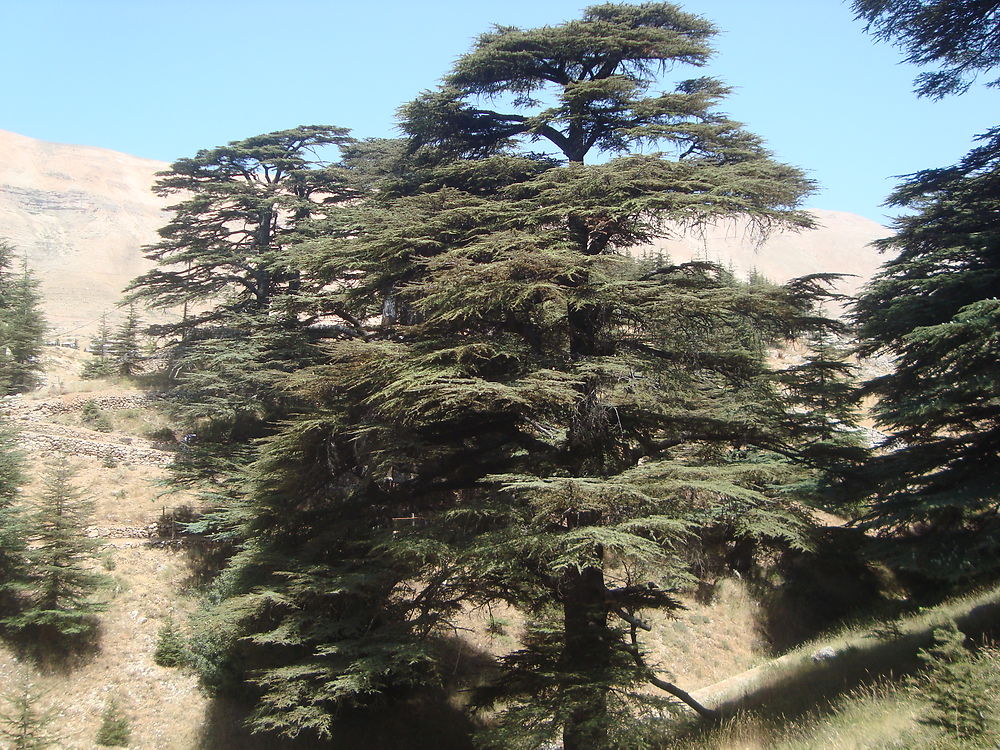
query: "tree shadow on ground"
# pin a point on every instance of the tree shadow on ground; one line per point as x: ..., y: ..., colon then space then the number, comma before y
x: 53, y: 652
x: 425, y: 723
x: 820, y: 589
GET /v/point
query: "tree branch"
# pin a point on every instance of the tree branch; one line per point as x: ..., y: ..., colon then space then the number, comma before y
x: 682, y: 695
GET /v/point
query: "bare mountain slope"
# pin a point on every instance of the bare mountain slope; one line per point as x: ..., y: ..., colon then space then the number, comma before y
x: 838, y: 244
x: 82, y: 214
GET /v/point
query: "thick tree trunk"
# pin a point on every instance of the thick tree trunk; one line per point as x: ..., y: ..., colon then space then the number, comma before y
x: 586, y: 656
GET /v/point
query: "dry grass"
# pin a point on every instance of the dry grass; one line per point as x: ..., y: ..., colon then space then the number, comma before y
x: 707, y: 641
x: 164, y: 705
x: 875, y: 718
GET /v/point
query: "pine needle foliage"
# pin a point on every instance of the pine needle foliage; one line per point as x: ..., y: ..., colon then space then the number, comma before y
x: 115, y: 729
x: 101, y: 365
x: 125, y: 345
x: 250, y: 314
x: 61, y: 606
x: 952, y: 685
x: 22, y: 723
x: 13, y: 525
x: 933, y: 308
x: 525, y: 413
x: 962, y: 37
x: 171, y: 646
x: 22, y: 325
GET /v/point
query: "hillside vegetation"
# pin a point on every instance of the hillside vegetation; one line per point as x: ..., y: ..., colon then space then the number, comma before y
x: 426, y: 443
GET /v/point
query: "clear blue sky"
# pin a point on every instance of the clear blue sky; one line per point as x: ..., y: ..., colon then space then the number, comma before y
x: 164, y: 78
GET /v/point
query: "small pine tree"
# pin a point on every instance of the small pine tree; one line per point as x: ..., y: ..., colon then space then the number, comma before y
x: 61, y: 586
x: 115, y: 729
x: 950, y: 685
x: 126, y: 347
x: 92, y: 416
x: 13, y: 530
x: 171, y: 648
x: 22, y: 724
x: 21, y: 333
x: 101, y: 365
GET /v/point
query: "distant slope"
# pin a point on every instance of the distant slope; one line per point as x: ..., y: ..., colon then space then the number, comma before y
x: 840, y: 243
x: 82, y: 214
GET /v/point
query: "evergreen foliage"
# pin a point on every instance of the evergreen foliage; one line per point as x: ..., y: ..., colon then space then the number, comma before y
x: 250, y: 314
x: 22, y: 723
x: 101, y: 365
x: 952, y: 686
x: 933, y: 309
x: 13, y: 526
x: 960, y: 36
x: 60, y: 606
x: 22, y: 326
x: 125, y: 346
x: 92, y: 416
x: 171, y: 646
x: 520, y: 411
x: 115, y: 729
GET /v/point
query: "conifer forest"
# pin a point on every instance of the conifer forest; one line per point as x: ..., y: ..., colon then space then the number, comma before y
x: 458, y: 447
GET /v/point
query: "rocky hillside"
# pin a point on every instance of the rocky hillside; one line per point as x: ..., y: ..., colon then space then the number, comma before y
x: 838, y: 244
x: 82, y: 213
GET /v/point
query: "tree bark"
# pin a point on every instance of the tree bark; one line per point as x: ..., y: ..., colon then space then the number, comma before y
x: 587, y: 642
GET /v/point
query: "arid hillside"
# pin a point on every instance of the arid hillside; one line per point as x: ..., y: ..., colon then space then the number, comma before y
x: 838, y: 244
x: 81, y: 215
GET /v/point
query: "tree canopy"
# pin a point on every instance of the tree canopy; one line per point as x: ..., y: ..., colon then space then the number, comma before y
x: 522, y: 411
x: 933, y: 308
x: 962, y: 37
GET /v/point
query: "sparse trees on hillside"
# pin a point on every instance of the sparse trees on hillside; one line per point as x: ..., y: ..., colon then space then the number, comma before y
x: 521, y: 412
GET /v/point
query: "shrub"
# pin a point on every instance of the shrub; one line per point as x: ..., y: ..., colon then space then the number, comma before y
x: 22, y: 724
x: 952, y: 685
x: 115, y: 730
x: 91, y: 416
x: 171, y: 648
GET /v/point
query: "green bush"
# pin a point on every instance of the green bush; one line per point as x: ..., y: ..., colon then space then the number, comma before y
x: 91, y: 416
x: 22, y: 723
x: 97, y: 367
x: 115, y: 729
x: 171, y: 648
x: 952, y: 685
